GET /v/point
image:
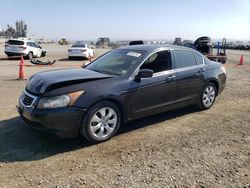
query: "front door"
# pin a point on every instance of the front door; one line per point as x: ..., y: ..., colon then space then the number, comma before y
x: 152, y: 95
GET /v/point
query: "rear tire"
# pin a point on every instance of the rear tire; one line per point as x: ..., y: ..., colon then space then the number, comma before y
x: 207, y: 96
x: 30, y: 56
x: 101, y: 122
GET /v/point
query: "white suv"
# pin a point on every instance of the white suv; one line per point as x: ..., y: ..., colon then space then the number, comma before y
x: 27, y: 48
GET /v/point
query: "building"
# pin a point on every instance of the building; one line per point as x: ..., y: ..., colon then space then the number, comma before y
x: 19, y: 31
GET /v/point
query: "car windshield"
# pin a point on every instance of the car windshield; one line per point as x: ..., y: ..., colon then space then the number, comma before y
x: 116, y: 62
x: 78, y: 46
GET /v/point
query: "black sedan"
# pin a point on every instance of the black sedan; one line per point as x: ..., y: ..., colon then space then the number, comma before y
x: 122, y: 85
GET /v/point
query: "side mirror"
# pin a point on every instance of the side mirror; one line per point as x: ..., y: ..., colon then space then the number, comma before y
x: 144, y: 73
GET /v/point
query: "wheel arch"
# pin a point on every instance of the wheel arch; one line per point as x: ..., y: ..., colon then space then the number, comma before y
x: 216, y: 83
x: 114, y: 100
x: 27, y: 55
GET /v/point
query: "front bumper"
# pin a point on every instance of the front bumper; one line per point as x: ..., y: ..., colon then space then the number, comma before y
x: 64, y: 122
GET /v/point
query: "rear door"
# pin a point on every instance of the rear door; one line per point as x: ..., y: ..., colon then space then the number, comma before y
x: 39, y: 50
x: 35, y: 49
x: 31, y: 48
x: 190, y: 74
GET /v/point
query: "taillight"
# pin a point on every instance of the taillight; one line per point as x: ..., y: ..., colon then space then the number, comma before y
x: 6, y: 45
x: 23, y: 47
x: 69, y: 50
x: 83, y: 50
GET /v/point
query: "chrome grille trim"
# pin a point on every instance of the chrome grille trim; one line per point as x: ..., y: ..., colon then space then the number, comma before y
x: 27, y: 99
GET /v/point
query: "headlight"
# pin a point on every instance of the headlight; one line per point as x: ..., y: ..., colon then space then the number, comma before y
x: 59, y: 101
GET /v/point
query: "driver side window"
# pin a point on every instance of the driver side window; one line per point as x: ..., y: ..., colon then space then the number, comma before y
x: 158, y: 62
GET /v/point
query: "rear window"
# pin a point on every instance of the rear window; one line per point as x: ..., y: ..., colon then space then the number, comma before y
x: 184, y: 58
x: 78, y: 46
x: 15, y: 42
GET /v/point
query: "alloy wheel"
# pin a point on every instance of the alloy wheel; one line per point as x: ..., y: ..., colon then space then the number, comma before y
x: 103, y: 122
x: 208, y: 96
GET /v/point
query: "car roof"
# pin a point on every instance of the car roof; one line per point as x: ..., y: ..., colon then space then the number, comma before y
x: 24, y: 40
x: 150, y: 47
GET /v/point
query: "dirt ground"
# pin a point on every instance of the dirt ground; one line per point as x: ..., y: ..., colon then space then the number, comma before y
x: 181, y: 148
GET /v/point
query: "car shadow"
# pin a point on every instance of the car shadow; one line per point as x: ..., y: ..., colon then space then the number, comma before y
x: 10, y: 58
x: 64, y: 59
x: 15, y: 58
x: 18, y: 142
x: 154, y: 119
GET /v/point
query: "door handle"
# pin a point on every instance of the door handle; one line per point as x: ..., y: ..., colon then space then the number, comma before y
x: 171, y: 77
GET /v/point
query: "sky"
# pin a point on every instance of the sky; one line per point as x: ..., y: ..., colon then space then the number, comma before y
x: 130, y: 19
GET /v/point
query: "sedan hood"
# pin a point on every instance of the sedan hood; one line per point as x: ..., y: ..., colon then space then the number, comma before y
x: 49, y: 80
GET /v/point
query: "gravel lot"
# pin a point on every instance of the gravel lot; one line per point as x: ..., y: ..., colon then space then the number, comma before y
x: 182, y: 148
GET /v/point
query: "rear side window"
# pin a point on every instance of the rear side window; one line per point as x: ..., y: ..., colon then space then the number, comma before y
x: 198, y: 58
x: 31, y: 44
x: 15, y: 42
x: 183, y: 59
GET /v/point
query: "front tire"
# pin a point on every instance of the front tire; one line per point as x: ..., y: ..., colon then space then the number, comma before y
x: 43, y: 54
x: 207, y: 96
x: 101, y: 122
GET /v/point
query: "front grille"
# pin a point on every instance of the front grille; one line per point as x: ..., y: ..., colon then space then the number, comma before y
x: 28, y: 100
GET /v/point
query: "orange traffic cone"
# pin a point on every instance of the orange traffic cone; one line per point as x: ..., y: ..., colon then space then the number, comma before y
x: 241, y: 60
x: 22, y: 75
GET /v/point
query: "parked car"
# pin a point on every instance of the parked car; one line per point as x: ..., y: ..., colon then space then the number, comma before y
x: 122, y: 85
x: 205, y: 46
x: 136, y: 42
x: 80, y: 50
x: 26, y: 48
